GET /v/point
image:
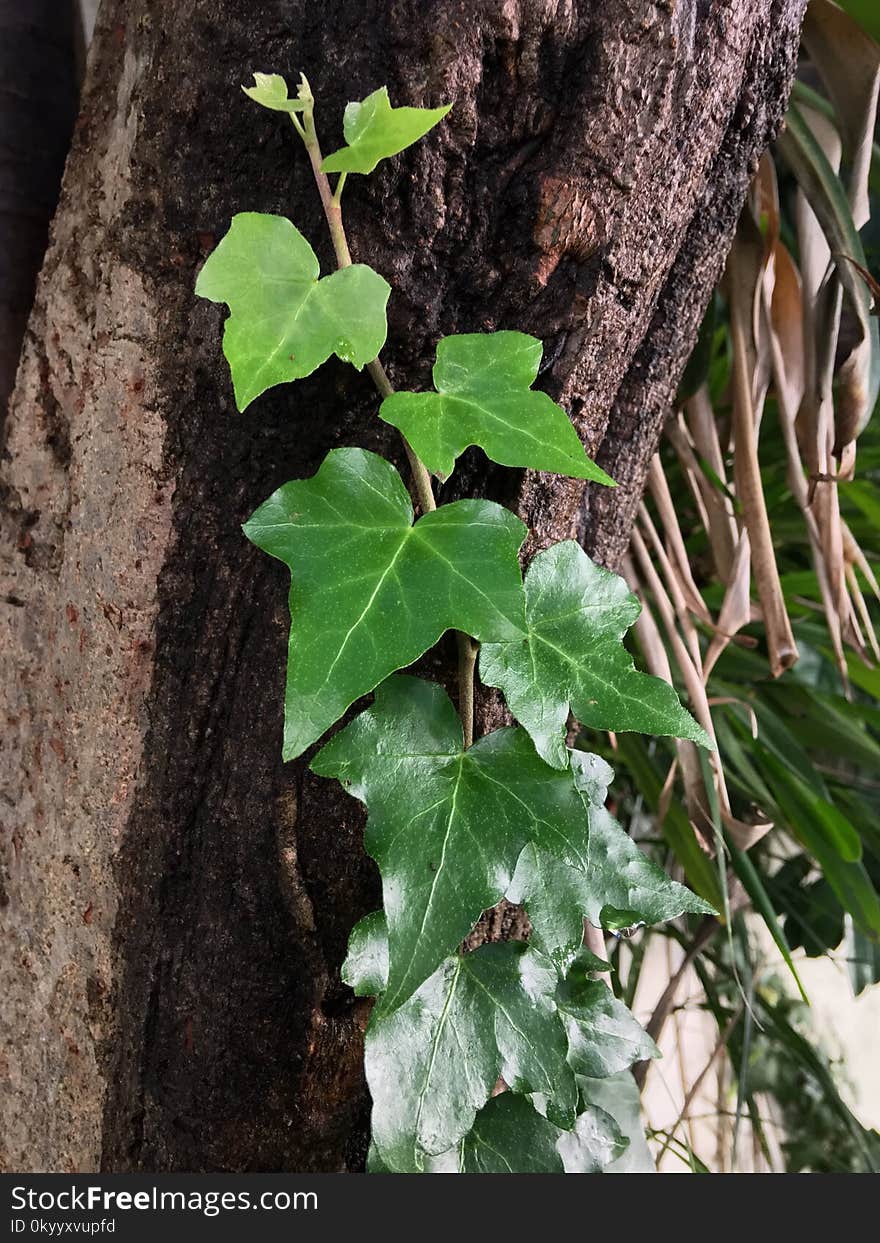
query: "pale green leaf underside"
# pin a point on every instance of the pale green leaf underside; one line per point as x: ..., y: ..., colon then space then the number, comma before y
x: 432, y: 1064
x: 270, y: 90
x: 484, y: 397
x: 445, y: 825
x: 572, y: 658
x: 370, y: 591
x: 374, y: 131
x: 284, y: 321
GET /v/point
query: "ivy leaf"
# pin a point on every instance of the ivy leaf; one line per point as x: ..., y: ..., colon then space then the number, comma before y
x: 594, y: 1143
x: 552, y: 893
x: 618, y: 1096
x: 511, y: 1137
x: 603, y: 1036
x: 445, y: 825
x: 370, y: 591
x: 572, y: 658
x: 365, y: 969
x: 374, y: 131
x: 270, y: 90
x: 484, y: 397
x: 433, y: 1063
x: 616, y: 885
x: 284, y: 321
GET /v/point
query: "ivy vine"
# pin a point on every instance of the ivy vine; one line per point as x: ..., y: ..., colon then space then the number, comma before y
x: 512, y: 1057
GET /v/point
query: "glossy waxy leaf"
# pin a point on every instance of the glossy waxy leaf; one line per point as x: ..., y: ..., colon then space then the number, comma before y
x: 270, y: 90
x: 594, y: 1142
x: 365, y: 969
x: 618, y: 1096
x: 370, y: 590
x: 374, y: 131
x: 446, y: 825
x: 511, y: 1137
x: 615, y: 886
x: 433, y: 1063
x: 572, y: 658
x: 284, y: 321
x: 603, y: 1035
x: 484, y: 397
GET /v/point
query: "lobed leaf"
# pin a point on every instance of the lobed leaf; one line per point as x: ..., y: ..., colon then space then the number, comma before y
x: 572, y: 659
x: 284, y: 321
x: 374, y: 131
x: 270, y: 90
x: 484, y: 397
x: 614, y: 886
x: 370, y: 590
x: 433, y: 1063
x: 603, y: 1035
x: 446, y: 825
x: 618, y: 1096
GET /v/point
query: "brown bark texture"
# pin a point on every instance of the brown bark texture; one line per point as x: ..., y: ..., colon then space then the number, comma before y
x: 175, y: 902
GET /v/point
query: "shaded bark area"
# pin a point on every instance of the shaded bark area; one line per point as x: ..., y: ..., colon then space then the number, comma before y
x: 177, y: 902
x: 38, y: 100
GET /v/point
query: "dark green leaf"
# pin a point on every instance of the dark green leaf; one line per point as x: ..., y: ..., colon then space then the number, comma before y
x: 511, y: 1137
x: 603, y: 1036
x: 616, y: 886
x: 572, y: 658
x: 432, y: 1064
x: 370, y: 591
x: 284, y: 321
x: 446, y: 825
x: 374, y: 131
x: 484, y: 397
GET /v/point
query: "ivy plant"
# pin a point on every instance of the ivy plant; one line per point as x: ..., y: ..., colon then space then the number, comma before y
x: 512, y: 1057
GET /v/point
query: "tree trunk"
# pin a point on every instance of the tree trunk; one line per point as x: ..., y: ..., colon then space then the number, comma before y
x: 176, y: 901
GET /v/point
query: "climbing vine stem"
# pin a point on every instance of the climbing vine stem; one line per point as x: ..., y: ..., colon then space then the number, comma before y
x: 331, y: 203
x: 454, y: 824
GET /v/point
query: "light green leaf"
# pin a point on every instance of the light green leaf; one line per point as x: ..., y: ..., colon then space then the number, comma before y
x: 603, y: 1036
x: 370, y: 591
x: 572, y: 658
x: 510, y: 1137
x: 374, y: 131
x: 618, y: 1095
x: 365, y: 969
x: 284, y: 321
x: 445, y: 825
x: 615, y: 886
x: 270, y: 90
x: 484, y: 397
x: 433, y: 1063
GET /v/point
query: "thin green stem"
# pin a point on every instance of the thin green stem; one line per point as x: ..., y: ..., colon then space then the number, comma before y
x: 467, y: 648
x: 467, y: 659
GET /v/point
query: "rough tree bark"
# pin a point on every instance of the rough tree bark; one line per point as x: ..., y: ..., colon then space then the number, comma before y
x: 176, y: 903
